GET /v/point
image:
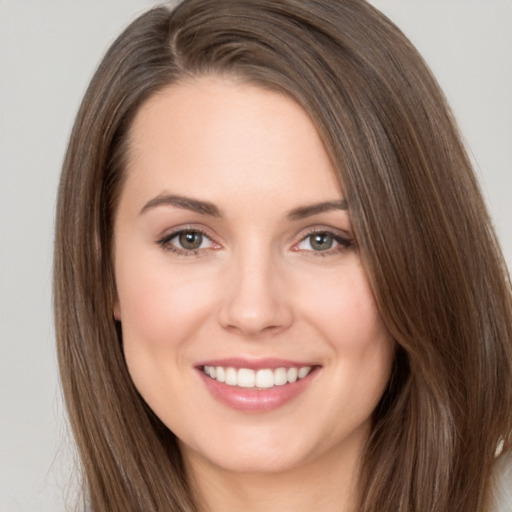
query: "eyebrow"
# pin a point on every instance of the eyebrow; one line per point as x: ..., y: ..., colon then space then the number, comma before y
x: 207, y: 208
x: 314, y: 209
x: 187, y: 203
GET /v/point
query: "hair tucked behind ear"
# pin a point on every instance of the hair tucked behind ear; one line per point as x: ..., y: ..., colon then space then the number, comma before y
x: 423, y: 231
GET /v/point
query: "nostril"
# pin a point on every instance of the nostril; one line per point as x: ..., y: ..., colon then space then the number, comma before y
x: 253, y: 304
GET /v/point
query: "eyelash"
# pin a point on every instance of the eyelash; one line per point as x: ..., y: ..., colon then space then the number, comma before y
x: 165, y: 242
x: 344, y: 243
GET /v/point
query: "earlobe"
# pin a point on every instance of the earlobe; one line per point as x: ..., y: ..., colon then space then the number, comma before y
x: 117, y: 311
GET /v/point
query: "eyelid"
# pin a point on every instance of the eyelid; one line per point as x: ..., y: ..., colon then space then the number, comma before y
x: 164, y: 239
x: 342, y: 237
x: 320, y: 228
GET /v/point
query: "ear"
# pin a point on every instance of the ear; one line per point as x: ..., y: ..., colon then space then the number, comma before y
x: 117, y: 311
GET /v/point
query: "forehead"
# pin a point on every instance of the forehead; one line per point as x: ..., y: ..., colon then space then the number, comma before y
x: 217, y: 136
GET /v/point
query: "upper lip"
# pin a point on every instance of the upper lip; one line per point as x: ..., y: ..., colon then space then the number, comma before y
x: 255, y: 364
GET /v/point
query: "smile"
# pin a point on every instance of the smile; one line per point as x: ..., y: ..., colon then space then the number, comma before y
x: 264, y: 378
x: 256, y: 386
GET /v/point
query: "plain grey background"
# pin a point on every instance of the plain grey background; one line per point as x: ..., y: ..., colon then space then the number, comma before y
x: 48, y: 52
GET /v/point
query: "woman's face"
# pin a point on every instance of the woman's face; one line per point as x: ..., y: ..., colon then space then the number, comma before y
x: 234, y: 257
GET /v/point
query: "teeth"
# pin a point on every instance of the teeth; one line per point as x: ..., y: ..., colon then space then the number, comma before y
x: 231, y: 377
x: 262, y: 379
x: 280, y: 377
x: 301, y: 374
x: 245, y: 378
x: 292, y: 374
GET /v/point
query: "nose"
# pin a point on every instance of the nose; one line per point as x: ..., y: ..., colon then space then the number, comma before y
x: 255, y: 300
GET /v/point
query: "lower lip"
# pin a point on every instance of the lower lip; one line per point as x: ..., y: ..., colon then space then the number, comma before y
x: 256, y: 400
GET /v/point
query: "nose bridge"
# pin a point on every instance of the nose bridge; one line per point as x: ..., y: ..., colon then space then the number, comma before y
x: 254, y: 301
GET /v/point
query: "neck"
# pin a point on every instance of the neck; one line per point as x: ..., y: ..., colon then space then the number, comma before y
x: 327, y: 484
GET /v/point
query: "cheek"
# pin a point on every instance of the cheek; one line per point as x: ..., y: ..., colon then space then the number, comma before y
x: 160, y: 306
x: 344, y: 313
x: 162, y: 311
x: 343, y: 307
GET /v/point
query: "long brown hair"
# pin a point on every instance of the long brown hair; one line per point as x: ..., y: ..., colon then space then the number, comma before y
x: 423, y: 230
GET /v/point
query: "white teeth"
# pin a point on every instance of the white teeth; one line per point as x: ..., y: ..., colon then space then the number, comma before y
x: 302, y: 372
x: 231, y: 377
x: 280, y: 377
x: 292, y: 374
x: 262, y: 379
x: 265, y: 379
x: 246, y: 378
x: 221, y: 374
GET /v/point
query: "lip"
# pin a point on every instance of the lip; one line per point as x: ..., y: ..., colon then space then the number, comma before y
x: 252, y: 400
x: 255, y: 364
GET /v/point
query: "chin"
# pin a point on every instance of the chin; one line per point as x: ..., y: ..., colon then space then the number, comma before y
x: 254, y: 452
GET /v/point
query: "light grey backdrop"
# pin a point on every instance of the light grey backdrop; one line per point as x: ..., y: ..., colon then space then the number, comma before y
x: 48, y: 51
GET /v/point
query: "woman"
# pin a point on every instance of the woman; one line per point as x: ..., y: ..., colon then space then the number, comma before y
x: 276, y: 283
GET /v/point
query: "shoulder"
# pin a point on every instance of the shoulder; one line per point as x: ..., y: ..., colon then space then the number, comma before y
x: 502, y: 484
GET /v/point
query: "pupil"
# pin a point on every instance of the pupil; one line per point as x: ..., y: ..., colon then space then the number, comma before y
x: 321, y: 241
x: 191, y: 240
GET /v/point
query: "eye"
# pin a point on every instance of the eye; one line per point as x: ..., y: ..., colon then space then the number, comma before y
x: 187, y: 242
x: 323, y: 242
x: 190, y: 240
x: 320, y: 241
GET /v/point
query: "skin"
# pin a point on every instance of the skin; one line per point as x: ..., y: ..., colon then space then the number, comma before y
x: 256, y: 288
